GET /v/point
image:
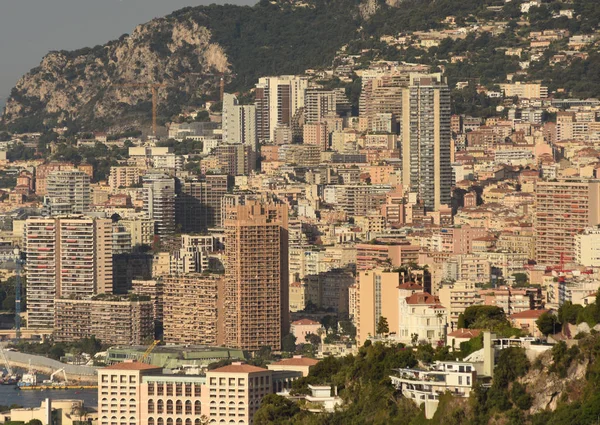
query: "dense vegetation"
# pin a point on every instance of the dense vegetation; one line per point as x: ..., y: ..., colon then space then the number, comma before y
x: 57, y: 350
x: 369, y: 398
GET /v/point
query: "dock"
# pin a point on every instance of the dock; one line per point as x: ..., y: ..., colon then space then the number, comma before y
x: 59, y: 387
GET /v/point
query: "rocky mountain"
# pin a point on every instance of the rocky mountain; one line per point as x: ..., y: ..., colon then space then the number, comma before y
x: 94, y: 84
x: 187, y: 53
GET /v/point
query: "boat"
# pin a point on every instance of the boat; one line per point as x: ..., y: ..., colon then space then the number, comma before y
x: 28, y: 379
x: 9, y: 380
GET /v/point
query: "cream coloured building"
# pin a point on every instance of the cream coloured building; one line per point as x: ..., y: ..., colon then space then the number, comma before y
x: 119, y: 392
x: 232, y: 394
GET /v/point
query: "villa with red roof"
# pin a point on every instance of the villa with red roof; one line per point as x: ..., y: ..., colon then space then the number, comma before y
x: 421, y: 317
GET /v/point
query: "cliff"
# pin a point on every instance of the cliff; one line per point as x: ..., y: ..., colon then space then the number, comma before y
x: 186, y: 52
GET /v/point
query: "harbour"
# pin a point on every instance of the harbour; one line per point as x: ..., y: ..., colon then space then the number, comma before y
x: 12, y: 395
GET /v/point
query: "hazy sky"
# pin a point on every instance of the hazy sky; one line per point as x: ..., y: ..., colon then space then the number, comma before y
x: 31, y: 28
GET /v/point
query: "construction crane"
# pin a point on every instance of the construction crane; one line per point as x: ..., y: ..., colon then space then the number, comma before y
x: 51, y: 381
x: 6, y: 363
x: 154, y: 87
x: 144, y: 357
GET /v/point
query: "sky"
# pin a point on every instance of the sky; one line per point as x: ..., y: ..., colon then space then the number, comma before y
x: 31, y: 28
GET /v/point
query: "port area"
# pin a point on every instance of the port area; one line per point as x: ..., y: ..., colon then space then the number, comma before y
x: 58, y: 387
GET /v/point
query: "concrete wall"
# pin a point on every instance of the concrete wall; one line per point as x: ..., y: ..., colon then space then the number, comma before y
x: 45, y: 365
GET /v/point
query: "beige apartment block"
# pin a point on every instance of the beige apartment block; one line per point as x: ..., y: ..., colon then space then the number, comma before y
x: 111, y: 319
x: 122, y: 177
x: 376, y: 296
x: 564, y: 208
x: 456, y: 297
x: 193, y: 309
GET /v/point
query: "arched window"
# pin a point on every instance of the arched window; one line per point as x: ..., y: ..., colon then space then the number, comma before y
x: 178, y: 421
x: 188, y: 407
x: 169, y: 421
x: 150, y: 421
x: 169, y: 406
x: 160, y: 408
x: 188, y: 421
x: 197, y: 407
x: 160, y: 421
x: 150, y: 406
x: 178, y: 407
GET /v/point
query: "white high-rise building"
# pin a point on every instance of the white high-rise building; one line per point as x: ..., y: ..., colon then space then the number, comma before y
x: 66, y: 257
x: 278, y: 99
x: 239, y: 122
x: 159, y: 202
x: 68, y: 188
x: 426, y: 136
x: 318, y: 104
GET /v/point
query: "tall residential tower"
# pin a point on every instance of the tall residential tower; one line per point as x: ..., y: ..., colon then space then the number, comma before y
x: 256, y: 274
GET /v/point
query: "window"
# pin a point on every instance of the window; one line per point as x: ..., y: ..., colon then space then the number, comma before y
x: 169, y: 406
x: 178, y: 407
x: 159, y: 406
x: 188, y: 407
x: 197, y: 407
x: 150, y: 406
x: 460, y: 380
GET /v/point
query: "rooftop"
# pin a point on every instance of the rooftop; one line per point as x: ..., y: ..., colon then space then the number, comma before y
x: 305, y: 322
x: 238, y: 367
x: 465, y: 333
x: 132, y: 365
x: 296, y: 361
x: 528, y: 314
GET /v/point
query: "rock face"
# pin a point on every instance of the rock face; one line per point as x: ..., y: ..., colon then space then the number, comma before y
x: 548, y: 388
x: 97, y: 86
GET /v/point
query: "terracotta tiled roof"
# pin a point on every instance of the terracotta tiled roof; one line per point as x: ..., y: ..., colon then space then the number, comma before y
x: 465, y: 333
x: 410, y: 286
x: 305, y: 322
x: 422, y: 298
x: 296, y: 361
x: 528, y: 314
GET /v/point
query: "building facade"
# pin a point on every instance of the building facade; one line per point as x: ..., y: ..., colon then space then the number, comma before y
x: 256, y: 274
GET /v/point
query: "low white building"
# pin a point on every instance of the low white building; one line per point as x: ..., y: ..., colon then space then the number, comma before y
x: 322, y: 398
x: 426, y: 386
